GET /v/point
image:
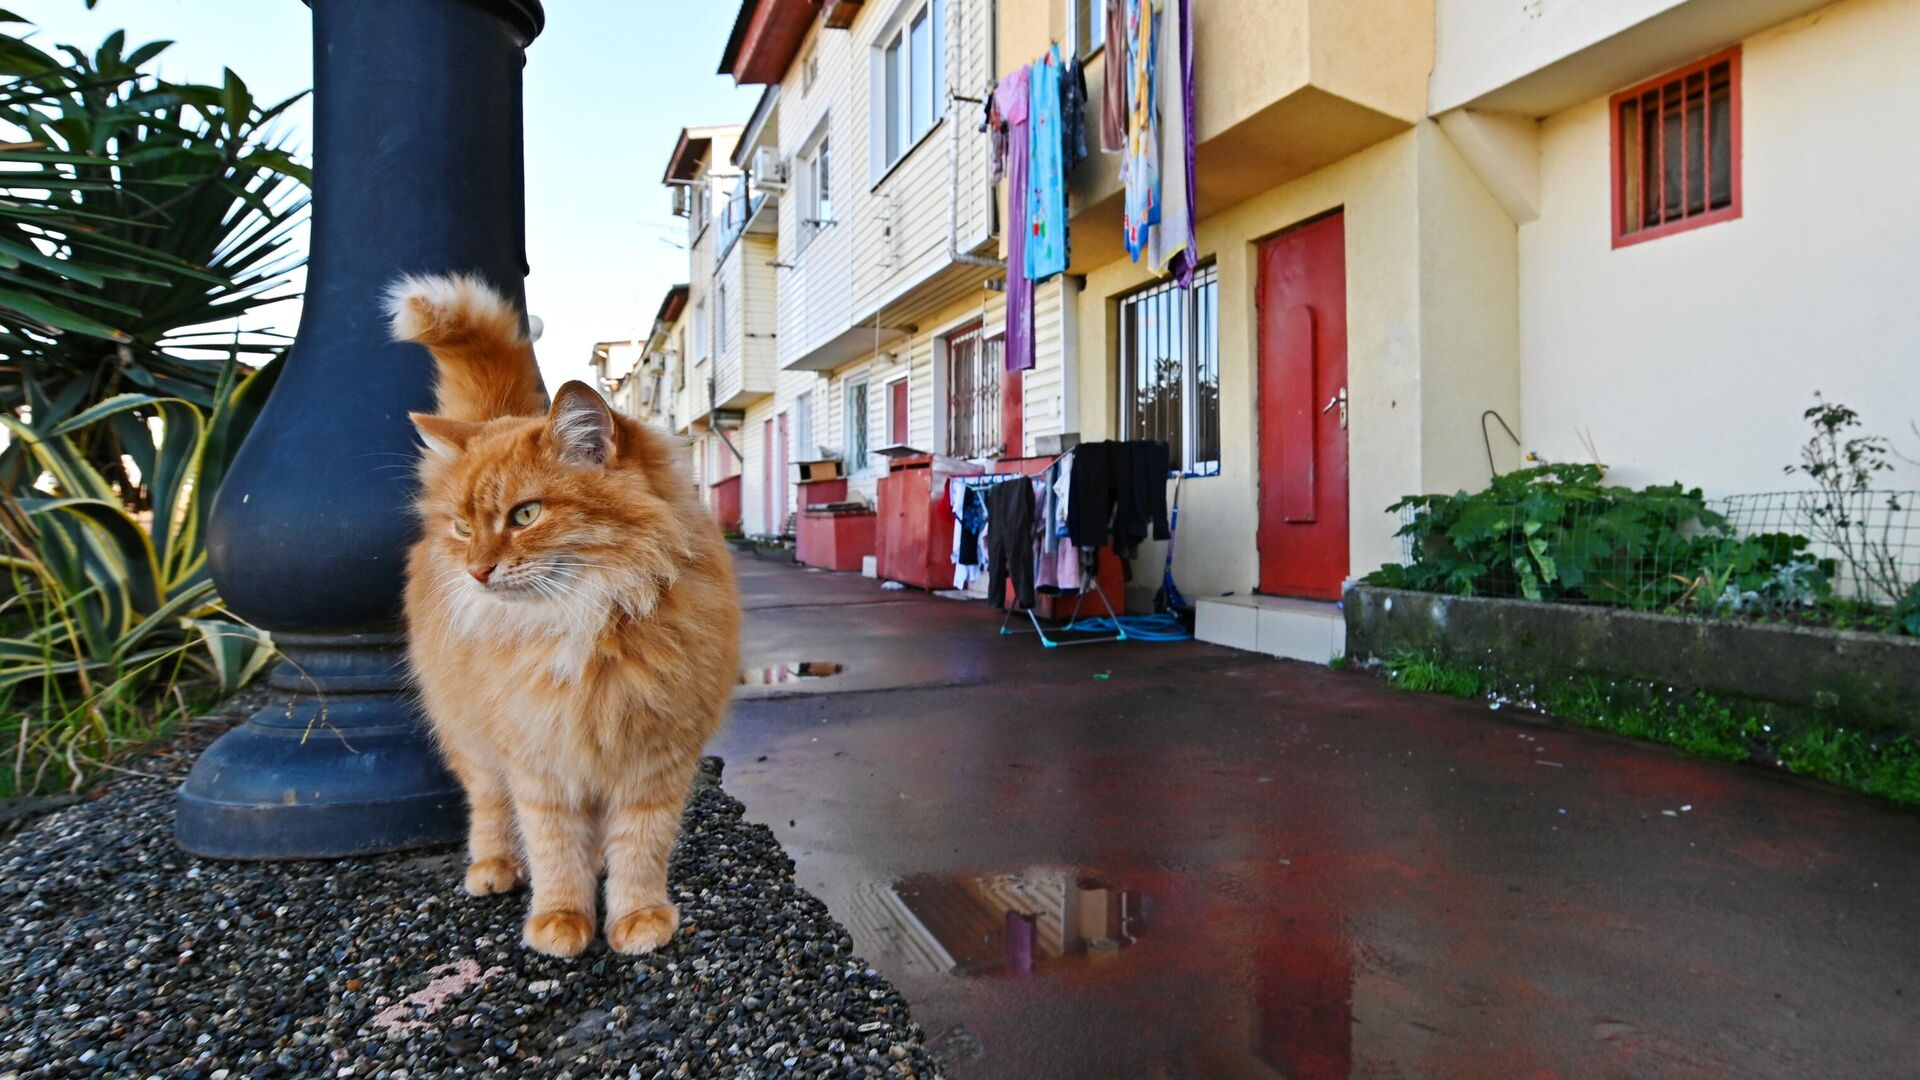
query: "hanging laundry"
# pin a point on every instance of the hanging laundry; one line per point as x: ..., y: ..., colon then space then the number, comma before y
x: 995, y: 128
x: 1046, y: 231
x: 1172, y: 237
x: 1010, y: 542
x: 1011, y: 101
x: 1113, y: 98
x: 1186, y: 263
x: 1073, y: 115
x: 1140, y: 168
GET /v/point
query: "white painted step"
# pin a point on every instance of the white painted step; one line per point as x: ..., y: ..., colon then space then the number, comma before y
x: 1310, y: 630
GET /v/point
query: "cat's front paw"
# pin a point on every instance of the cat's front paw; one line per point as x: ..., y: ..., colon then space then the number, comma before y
x: 488, y: 876
x: 558, y: 933
x: 644, y: 930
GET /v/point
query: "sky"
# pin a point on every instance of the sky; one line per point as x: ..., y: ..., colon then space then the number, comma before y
x: 609, y: 84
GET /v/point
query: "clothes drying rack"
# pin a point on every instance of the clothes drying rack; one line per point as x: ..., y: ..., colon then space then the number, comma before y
x: 1009, y: 628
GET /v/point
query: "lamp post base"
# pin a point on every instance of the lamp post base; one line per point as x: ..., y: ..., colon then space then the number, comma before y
x: 340, y: 764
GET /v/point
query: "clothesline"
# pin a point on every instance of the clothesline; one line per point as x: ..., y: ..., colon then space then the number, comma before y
x: 1037, y: 119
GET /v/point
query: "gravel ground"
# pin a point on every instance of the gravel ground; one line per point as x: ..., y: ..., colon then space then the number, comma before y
x: 122, y: 955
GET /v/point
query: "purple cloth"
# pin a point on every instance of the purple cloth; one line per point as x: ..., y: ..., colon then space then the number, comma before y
x: 1187, y: 261
x: 1011, y: 101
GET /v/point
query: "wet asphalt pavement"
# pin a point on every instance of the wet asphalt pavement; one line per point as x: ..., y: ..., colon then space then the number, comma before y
x: 1181, y: 861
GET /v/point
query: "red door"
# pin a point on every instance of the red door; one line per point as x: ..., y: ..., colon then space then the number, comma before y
x: 1303, y: 411
x: 897, y: 413
x: 1011, y: 413
x: 780, y: 479
x: 767, y: 479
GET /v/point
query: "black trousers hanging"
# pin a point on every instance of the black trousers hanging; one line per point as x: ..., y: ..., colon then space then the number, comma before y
x: 1010, y: 542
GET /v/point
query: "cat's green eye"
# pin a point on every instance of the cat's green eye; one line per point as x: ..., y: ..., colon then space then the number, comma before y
x: 526, y: 513
x: 461, y: 528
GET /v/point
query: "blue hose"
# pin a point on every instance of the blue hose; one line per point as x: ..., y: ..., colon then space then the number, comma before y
x: 1162, y: 627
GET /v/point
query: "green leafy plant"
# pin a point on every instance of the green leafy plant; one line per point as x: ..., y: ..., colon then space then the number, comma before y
x: 112, y: 610
x: 1557, y: 532
x: 139, y: 221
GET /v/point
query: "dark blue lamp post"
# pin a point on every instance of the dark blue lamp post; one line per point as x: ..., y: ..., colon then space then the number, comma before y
x: 417, y: 167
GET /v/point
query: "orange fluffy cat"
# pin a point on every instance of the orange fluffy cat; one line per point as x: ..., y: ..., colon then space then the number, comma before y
x: 572, y: 624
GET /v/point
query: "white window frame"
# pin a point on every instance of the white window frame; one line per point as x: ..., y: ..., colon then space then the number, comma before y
x: 1089, y: 34
x: 804, y: 446
x: 891, y: 115
x: 700, y: 330
x: 812, y: 164
x: 721, y: 329
x: 857, y: 439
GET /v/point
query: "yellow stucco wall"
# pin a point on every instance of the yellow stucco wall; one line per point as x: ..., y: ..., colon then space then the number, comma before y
x: 1431, y: 342
x: 1691, y: 357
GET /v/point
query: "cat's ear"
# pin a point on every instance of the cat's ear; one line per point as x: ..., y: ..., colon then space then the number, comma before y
x: 444, y: 438
x: 582, y: 425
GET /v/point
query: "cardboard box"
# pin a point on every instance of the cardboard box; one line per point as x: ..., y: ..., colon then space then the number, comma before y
x: 823, y: 469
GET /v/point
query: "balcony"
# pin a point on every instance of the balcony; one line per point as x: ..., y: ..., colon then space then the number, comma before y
x: 745, y: 366
x: 1504, y: 58
x: 1283, y: 87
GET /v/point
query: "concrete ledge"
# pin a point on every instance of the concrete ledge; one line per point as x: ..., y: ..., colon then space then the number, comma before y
x: 1307, y: 630
x: 1869, y: 679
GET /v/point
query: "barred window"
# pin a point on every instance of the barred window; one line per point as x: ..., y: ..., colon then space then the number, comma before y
x: 1676, y: 148
x: 973, y: 394
x: 1170, y: 370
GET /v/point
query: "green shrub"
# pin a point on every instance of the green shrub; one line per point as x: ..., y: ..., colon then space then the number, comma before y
x: 1556, y: 532
x: 111, y: 613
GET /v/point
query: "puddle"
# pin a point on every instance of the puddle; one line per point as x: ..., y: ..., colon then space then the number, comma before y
x: 790, y: 672
x: 1022, y: 923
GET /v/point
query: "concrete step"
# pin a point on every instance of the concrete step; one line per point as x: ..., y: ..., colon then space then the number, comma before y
x: 1310, y: 630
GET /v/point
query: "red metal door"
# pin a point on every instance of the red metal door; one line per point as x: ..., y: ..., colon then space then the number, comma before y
x: 1303, y: 411
x: 780, y: 478
x: 897, y: 413
x: 1011, y: 414
x: 767, y: 527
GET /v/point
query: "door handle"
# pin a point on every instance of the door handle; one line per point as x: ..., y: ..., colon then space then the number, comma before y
x: 1339, y: 399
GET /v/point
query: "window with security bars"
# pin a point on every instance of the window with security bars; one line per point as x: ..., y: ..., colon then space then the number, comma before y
x: 1676, y: 151
x: 1170, y: 370
x: 973, y: 394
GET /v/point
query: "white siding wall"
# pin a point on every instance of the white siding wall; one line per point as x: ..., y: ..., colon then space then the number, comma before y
x: 816, y: 290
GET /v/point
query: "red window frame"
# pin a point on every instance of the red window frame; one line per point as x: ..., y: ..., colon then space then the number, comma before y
x: 1617, y: 157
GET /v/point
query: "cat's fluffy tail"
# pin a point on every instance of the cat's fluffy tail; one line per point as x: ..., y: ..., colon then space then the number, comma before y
x: 485, y: 361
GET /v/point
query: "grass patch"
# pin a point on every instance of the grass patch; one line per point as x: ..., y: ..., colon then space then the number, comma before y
x: 54, y: 745
x: 1423, y: 674
x: 1884, y: 764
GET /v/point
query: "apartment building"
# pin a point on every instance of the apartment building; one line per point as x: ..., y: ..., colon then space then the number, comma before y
x: 866, y: 151
x: 703, y: 181
x: 1646, y: 230
x: 1649, y: 227
x: 636, y: 374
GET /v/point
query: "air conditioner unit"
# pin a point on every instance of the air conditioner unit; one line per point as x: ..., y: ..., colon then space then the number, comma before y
x: 769, y: 171
x: 682, y: 200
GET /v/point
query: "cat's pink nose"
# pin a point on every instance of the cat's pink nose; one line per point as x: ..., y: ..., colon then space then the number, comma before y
x: 481, y: 572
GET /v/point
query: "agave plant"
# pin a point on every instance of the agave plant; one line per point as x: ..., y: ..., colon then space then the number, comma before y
x: 109, y: 604
x: 139, y: 220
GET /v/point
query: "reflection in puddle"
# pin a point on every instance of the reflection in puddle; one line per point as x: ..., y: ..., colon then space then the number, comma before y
x: 791, y: 671
x: 1012, y: 924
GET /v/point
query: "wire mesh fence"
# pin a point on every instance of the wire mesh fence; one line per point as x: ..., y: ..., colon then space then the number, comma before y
x: 1847, y: 558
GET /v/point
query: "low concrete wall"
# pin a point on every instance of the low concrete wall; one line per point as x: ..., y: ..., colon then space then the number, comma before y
x: 1868, y: 679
